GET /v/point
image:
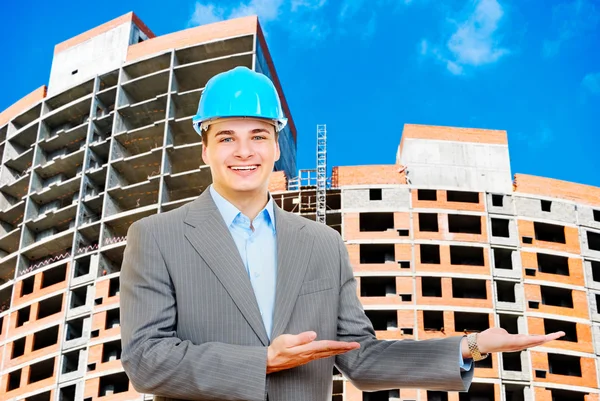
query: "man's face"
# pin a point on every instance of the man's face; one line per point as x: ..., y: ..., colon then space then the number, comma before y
x: 241, y: 154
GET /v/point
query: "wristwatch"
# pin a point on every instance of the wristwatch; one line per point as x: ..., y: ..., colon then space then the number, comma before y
x: 472, y: 343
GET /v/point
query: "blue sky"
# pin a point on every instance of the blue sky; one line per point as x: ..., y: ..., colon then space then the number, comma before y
x: 365, y: 68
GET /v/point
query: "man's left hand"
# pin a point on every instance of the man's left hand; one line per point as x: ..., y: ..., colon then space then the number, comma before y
x: 497, y: 339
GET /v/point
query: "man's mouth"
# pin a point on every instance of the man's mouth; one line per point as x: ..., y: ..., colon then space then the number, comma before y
x: 244, y: 168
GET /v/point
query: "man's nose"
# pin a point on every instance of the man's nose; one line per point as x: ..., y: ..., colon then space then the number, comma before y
x: 244, y: 149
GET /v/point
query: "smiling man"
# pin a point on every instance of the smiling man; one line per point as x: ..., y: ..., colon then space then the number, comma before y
x: 231, y: 298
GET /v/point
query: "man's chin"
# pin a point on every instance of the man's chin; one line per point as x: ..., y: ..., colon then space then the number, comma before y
x: 247, y: 187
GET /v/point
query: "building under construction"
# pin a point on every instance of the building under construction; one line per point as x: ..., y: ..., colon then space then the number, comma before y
x: 445, y: 241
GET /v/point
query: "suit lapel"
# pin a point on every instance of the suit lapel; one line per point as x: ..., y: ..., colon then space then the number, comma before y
x: 293, y: 254
x: 209, y: 235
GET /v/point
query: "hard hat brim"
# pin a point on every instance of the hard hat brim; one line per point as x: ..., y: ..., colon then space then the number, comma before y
x: 202, y: 125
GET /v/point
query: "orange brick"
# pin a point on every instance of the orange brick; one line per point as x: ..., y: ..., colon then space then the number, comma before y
x: 575, y: 277
x: 23, y: 104
x: 533, y: 292
x: 38, y: 291
x: 373, y: 175
x: 539, y: 361
x: 402, y: 253
x: 99, y: 30
x: 447, y: 298
x: 441, y: 133
x: 553, y: 188
x: 526, y: 229
x: 102, y: 291
x: 277, y: 181
x: 27, y: 388
x: 443, y: 203
x: 584, y: 336
x: 445, y: 265
x: 444, y: 233
x: 92, y: 389
x: 352, y: 228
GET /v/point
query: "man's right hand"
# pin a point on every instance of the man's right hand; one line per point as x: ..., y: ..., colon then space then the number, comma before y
x: 288, y: 351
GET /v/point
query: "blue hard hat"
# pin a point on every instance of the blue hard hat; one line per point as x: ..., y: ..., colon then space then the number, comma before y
x: 239, y: 92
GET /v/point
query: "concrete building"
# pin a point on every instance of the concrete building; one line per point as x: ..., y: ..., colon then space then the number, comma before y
x: 444, y: 241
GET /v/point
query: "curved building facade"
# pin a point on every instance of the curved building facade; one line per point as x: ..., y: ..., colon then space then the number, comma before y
x: 445, y: 241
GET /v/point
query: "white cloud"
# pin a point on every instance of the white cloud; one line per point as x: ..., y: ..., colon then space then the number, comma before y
x: 310, y: 4
x: 370, y: 28
x: 206, y: 14
x: 350, y: 8
x: 267, y: 10
x: 475, y: 40
x: 424, y: 46
x: 297, y: 12
x: 576, y: 18
x: 591, y: 82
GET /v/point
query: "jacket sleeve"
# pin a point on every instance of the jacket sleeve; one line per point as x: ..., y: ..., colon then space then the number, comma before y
x: 155, y: 360
x: 381, y: 364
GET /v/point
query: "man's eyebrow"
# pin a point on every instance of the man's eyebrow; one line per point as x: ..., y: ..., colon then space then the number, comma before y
x: 231, y: 132
x: 258, y: 130
x: 225, y: 132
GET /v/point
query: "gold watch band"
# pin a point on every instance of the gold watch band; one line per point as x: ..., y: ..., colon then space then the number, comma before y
x: 474, y: 349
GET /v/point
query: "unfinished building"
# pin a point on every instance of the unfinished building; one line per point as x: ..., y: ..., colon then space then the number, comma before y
x: 445, y: 241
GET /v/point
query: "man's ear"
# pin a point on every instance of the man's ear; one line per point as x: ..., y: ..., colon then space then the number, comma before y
x: 277, y: 151
x: 204, y: 154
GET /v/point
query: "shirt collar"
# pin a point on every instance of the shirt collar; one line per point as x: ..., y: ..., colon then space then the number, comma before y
x: 230, y: 212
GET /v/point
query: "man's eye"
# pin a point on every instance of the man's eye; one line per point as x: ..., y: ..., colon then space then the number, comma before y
x: 259, y: 137
x: 225, y: 139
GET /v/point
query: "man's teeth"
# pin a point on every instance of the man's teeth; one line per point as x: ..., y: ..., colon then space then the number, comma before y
x: 244, y: 168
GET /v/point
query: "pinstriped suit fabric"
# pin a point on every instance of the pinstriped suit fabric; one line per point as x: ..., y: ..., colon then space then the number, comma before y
x: 191, y: 327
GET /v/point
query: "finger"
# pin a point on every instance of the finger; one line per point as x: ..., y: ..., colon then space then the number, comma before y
x: 300, y: 339
x: 326, y: 354
x: 324, y: 346
x: 522, y: 341
x: 554, y: 336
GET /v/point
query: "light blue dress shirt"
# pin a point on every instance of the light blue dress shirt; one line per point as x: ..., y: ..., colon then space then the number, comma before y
x: 259, y: 253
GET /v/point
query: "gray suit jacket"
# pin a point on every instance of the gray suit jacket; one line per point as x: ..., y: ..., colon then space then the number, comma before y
x: 191, y: 328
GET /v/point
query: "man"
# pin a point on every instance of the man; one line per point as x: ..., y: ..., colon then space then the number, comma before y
x: 231, y: 298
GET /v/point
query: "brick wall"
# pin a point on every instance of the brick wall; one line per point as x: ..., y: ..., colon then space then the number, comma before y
x: 25, y: 388
x: 526, y: 229
x: 277, y: 181
x: 444, y: 233
x: 580, y: 308
x: 440, y: 133
x: 92, y: 389
x: 23, y: 104
x: 575, y: 277
x: 33, y: 323
x: 443, y: 203
x: 192, y: 36
x: 352, y: 228
x: 372, y: 175
x: 29, y: 354
x: 102, y: 293
x: 445, y: 265
x: 447, y: 298
x: 556, y: 189
x: 99, y: 323
x: 539, y: 361
x: 476, y: 135
x: 584, y: 336
x: 38, y: 291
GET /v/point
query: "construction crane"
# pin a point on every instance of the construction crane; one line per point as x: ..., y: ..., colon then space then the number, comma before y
x: 321, y: 173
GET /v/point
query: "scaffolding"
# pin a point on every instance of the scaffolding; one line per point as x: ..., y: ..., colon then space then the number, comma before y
x: 321, y: 172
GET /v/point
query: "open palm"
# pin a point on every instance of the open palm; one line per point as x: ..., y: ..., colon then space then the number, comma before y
x: 497, y: 339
